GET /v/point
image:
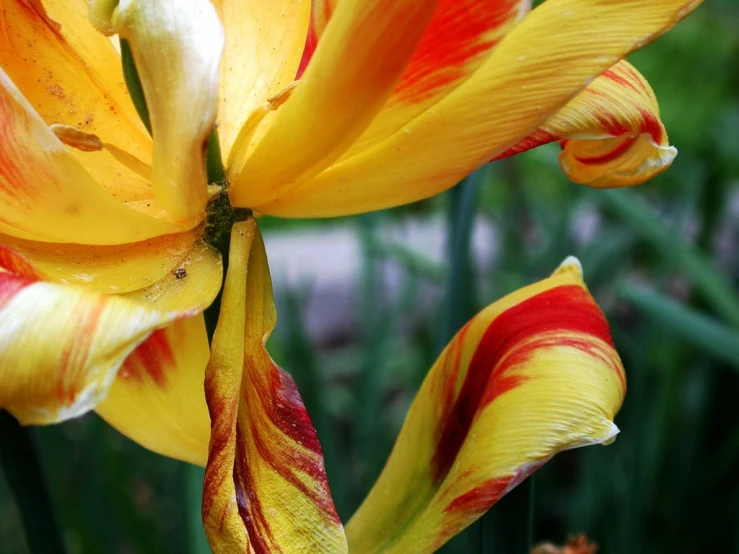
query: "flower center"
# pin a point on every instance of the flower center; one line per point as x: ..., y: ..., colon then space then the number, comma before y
x: 219, y: 218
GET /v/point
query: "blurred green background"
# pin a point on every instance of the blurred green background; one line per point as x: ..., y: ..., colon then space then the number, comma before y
x: 661, y: 259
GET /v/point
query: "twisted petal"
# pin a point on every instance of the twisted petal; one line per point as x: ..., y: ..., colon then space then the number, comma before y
x: 46, y: 195
x: 61, y: 346
x: 261, y: 57
x: 557, y: 50
x: 611, y: 132
x: 531, y: 375
x: 356, y: 66
x: 177, y: 47
x: 265, y: 486
x: 71, y: 75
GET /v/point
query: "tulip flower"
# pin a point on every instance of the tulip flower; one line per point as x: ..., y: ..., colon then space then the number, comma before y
x: 113, y: 240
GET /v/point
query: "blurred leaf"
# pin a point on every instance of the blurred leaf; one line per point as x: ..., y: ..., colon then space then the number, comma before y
x: 691, y: 326
x: 696, y: 266
x: 20, y: 463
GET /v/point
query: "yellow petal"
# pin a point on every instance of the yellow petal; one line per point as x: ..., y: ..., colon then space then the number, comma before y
x: 531, y: 375
x: 355, y: 68
x: 264, y: 41
x: 543, y: 62
x: 46, y: 195
x: 265, y: 486
x: 61, y: 346
x: 611, y: 133
x: 177, y: 47
x: 110, y: 269
x: 158, y: 399
x: 190, y: 287
x: 71, y: 75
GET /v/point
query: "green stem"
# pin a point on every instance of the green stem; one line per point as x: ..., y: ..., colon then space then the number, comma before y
x: 133, y: 83
x: 22, y: 467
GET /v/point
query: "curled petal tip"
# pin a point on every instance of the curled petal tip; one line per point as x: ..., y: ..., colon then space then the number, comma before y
x: 176, y: 46
x: 569, y: 265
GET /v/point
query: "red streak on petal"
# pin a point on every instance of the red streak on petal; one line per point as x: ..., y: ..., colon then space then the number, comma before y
x: 311, y: 41
x: 74, y: 356
x: 247, y: 500
x: 481, y: 497
x: 651, y: 126
x: 456, y: 36
x: 285, y: 409
x: 509, y: 341
x: 15, y: 263
x: 620, y: 79
x: 10, y: 285
x: 153, y: 357
x: 614, y: 154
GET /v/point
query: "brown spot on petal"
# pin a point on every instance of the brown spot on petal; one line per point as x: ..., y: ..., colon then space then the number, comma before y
x: 71, y: 136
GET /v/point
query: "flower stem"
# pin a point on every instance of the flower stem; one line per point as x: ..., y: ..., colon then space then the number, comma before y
x: 24, y: 474
x: 133, y: 83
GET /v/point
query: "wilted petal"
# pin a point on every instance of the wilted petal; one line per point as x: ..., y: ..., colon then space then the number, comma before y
x: 610, y: 133
x: 555, y: 52
x: 265, y: 485
x: 61, y: 346
x: 531, y: 375
x: 177, y: 46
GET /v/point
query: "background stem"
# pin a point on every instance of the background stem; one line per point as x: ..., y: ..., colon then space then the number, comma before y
x: 24, y: 474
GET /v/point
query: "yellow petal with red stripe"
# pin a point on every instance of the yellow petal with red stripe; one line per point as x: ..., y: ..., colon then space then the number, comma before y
x: 177, y: 47
x: 545, y: 60
x: 61, y: 346
x: 461, y: 34
x: 46, y: 195
x: 264, y: 41
x: 265, y: 486
x: 611, y: 132
x: 531, y: 375
x: 71, y: 75
x: 112, y: 269
x: 158, y: 399
x: 357, y: 64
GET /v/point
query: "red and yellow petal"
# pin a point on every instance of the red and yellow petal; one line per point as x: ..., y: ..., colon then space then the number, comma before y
x: 533, y: 374
x: 544, y: 61
x: 177, y: 48
x: 261, y: 57
x: 265, y: 485
x: 71, y: 75
x: 61, y: 346
x: 46, y: 195
x: 356, y: 66
x: 611, y: 134
x: 158, y: 398
x: 460, y: 36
